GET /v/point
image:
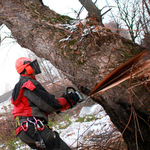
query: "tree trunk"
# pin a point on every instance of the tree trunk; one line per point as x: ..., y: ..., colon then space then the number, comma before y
x: 92, y: 10
x: 86, y: 53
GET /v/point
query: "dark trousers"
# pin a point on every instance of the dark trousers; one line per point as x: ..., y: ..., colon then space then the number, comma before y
x: 48, y: 137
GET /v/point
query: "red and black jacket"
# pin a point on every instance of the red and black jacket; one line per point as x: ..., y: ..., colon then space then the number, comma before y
x: 31, y: 99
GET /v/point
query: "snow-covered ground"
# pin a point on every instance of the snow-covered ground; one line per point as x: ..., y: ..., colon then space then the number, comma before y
x: 77, y: 132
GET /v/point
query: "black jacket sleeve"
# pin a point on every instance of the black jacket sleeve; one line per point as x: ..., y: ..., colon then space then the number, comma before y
x: 40, y: 103
x: 42, y: 99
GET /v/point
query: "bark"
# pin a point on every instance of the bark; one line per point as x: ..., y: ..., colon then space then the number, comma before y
x: 92, y: 10
x: 86, y: 55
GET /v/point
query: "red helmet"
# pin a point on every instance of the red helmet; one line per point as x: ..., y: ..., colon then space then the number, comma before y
x: 27, y: 64
x: 23, y: 63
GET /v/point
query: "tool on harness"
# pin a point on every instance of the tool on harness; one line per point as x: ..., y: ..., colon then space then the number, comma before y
x: 24, y: 125
x: 32, y: 121
x: 40, y: 125
x: 37, y: 137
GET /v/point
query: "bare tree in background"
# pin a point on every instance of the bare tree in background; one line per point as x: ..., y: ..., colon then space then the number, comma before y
x: 7, y: 87
x: 129, y: 14
x: 48, y: 72
x: 92, y: 9
x: 145, y: 23
x: 116, y: 28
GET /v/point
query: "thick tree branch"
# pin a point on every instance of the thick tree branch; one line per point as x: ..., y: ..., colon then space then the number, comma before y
x: 92, y: 10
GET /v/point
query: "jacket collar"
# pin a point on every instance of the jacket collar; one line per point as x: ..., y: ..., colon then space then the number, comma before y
x: 26, y: 75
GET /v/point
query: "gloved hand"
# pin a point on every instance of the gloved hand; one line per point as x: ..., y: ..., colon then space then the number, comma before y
x: 72, y: 98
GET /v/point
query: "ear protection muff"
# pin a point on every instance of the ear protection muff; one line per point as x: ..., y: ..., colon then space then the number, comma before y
x: 29, y: 69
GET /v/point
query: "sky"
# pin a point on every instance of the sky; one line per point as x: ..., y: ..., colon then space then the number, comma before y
x: 10, y: 50
x: 70, y: 7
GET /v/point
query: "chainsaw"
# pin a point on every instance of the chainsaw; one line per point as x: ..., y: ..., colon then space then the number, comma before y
x: 72, y: 90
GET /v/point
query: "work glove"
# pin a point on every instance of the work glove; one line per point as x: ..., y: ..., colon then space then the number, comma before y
x: 72, y: 98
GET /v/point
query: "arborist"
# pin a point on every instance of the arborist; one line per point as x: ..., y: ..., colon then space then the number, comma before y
x: 32, y: 105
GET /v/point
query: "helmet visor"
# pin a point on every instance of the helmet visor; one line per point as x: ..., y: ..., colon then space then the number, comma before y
x: 34, y: 64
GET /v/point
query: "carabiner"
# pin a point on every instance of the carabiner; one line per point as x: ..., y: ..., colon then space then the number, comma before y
x: 40, y: 125
x: 32, y: 121
x: 24, y: 125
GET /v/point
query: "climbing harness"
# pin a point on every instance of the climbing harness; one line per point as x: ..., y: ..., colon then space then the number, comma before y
x: 38, y: 126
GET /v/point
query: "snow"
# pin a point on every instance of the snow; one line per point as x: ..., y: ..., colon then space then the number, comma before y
x: 90, y: 110
x: 76, y: 132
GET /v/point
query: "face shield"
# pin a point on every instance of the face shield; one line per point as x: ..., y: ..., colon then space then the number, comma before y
x: 34, y: 64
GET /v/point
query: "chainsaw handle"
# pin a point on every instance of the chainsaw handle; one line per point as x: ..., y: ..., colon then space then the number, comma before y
x: 70, y: 88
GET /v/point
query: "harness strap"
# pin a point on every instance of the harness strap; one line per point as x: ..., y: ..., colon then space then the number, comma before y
x: 18, y: 125
x: 37, y: 137
x: 18, y: 130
